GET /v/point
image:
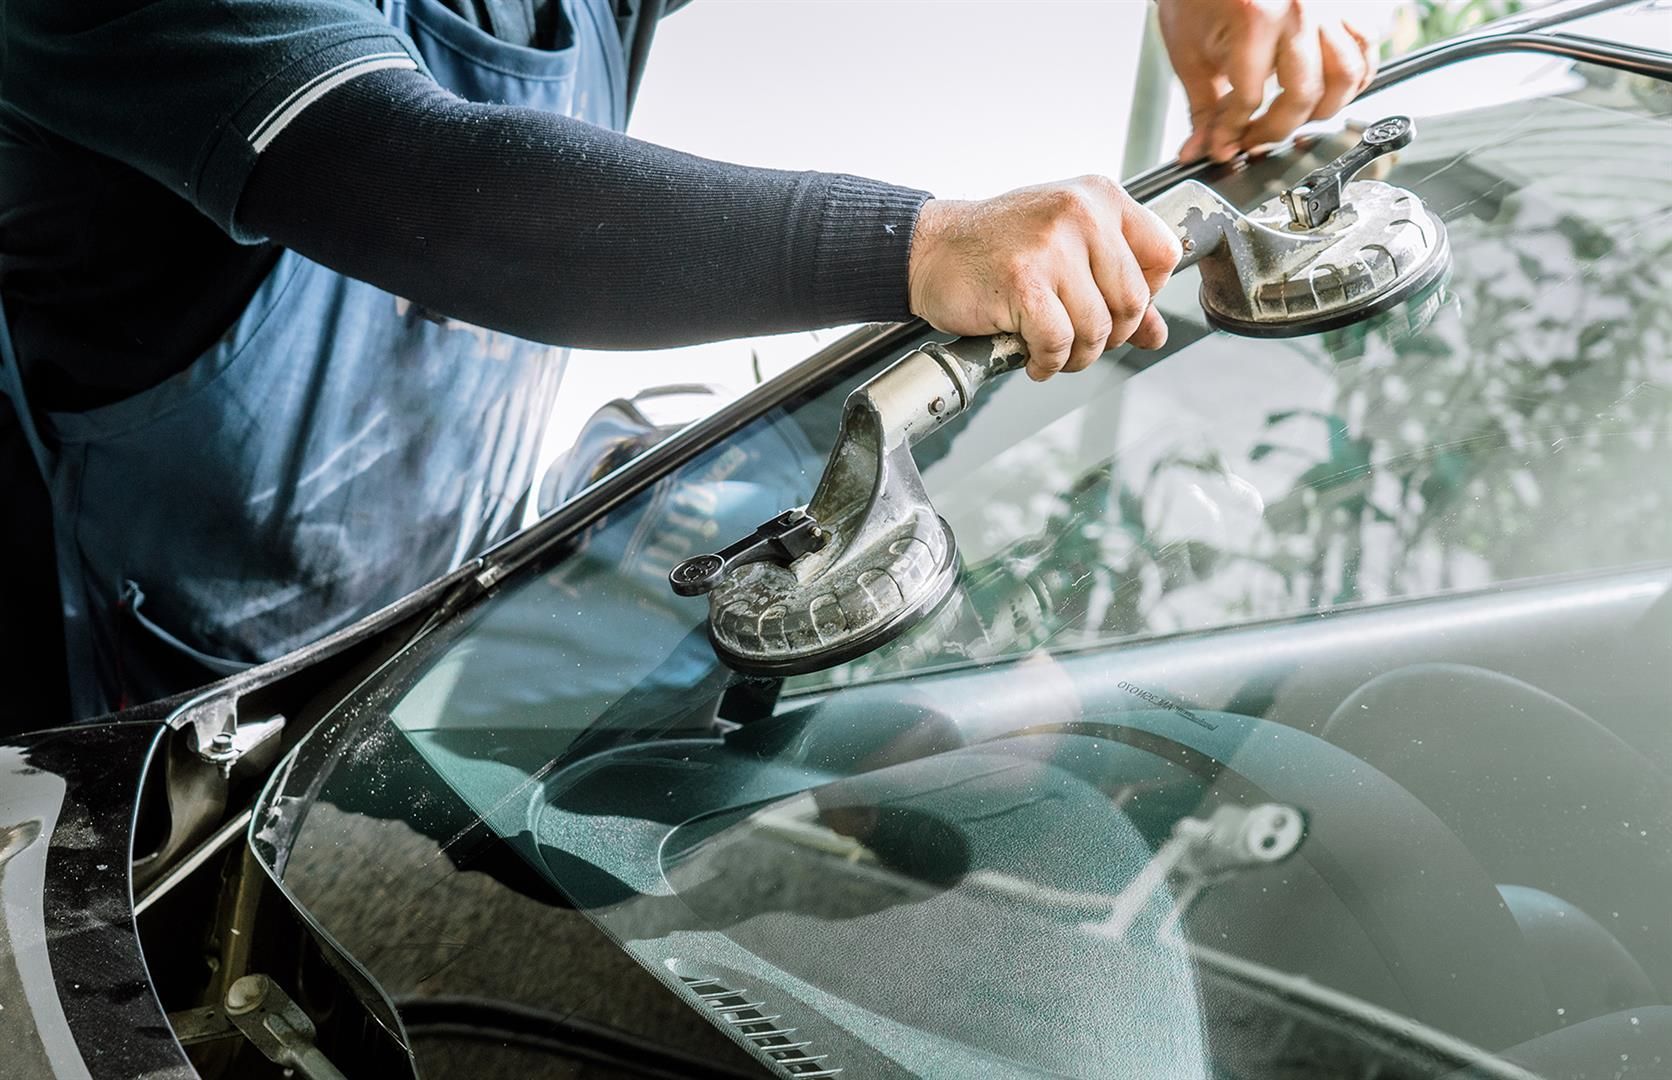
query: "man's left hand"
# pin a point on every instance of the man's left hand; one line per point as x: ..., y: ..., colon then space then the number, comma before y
x: 1225, y: 50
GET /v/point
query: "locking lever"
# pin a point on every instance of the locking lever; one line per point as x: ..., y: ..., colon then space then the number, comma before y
x: 1318, y: 194
x: 782, y: 540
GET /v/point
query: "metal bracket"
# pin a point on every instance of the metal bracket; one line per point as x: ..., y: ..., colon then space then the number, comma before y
x: 277, y: 1027
x: 1318, y: 194
x: 220, y: 739
x: 258, y: 1010
x: 782, y: 540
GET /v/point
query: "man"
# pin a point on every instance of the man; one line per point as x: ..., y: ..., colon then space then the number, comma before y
x: 250, y: 248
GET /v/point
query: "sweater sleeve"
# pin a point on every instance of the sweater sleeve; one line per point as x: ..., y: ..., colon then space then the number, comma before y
x: 561, y: 232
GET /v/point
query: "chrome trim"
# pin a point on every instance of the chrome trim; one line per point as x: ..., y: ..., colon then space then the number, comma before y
x: 1572, y: 46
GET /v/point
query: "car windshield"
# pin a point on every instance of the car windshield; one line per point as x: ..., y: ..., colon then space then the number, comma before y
x: 1300, y: 709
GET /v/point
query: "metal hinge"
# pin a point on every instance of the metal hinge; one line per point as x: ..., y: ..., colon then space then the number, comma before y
x: 220, y: 738
x: 258, y: 1010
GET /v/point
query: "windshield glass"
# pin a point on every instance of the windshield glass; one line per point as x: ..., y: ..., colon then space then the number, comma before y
x: 1299, y: 710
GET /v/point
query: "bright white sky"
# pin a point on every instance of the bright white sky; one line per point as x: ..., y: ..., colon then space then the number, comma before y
x: 959, y: 98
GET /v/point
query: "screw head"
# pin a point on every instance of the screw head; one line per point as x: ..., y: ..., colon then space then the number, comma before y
x: 222, y: 741
x: 937, y: 406
x: 246, y: 994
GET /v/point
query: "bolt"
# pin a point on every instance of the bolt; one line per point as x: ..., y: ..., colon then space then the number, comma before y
x: 937, y: 406
x: 247, y: 994
x: 222, y: 742
x: 1187, y: 245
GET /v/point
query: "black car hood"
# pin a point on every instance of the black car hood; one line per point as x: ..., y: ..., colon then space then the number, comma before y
x: 75, y: 997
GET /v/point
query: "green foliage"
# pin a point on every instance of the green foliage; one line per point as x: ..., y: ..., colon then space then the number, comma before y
x: 1435, y: 20
x: 1517, y: 425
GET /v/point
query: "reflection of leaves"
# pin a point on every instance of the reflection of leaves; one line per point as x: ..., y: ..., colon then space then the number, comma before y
x: 1589, y: 338
x: 1531, y: 408
x: 1523, y: 432
x: 1200, y: 558
x: 1428, y: 21
x: 1589, y: 242
x: 1507, y: 439
x: 1447, y: 472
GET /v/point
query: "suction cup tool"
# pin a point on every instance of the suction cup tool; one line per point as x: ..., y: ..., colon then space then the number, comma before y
x: 868, y: 558
x: 862, y: 563
x: 1327, y: 252
x: 775, y: 620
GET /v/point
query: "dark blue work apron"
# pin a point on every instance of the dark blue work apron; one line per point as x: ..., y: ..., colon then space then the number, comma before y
x: 337, y: 448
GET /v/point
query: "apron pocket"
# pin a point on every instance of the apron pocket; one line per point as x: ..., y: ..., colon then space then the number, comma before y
x: 583, y: 76
x: 479, y: 67
x: 133, y: 600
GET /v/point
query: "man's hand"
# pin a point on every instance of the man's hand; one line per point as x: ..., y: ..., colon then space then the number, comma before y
x: 1225, y: 50
x: 1072, y: 267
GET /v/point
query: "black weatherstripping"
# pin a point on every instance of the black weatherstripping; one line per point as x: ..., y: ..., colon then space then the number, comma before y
x: 562, y: 1036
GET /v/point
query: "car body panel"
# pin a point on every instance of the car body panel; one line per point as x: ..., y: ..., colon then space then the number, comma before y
x: 75, y: 988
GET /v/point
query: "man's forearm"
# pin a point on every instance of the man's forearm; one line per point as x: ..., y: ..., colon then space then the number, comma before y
x: 561, y: 232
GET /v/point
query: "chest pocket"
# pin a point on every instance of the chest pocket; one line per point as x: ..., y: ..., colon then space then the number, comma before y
x: 584, y: 74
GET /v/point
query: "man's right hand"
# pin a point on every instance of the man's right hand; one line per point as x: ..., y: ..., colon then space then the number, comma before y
x: 1072, y: 267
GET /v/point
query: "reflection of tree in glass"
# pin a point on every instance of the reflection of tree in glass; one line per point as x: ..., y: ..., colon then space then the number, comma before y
x: 1523, y: 431
x: 1427, y: 21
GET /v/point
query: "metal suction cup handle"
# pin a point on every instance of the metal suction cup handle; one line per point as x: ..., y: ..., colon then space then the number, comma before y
x: 1203, y: 220
x: 1318, y: 194
x: 782, y: 540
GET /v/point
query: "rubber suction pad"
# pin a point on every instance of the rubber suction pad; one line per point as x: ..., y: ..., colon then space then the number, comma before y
x: 836, y: 604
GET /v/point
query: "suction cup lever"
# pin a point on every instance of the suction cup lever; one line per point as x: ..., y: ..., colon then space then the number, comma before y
x: 1318, y: 194
x: 782, y: 540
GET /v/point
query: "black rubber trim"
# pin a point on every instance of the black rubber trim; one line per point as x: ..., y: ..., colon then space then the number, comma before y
x: 567, y: 1037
